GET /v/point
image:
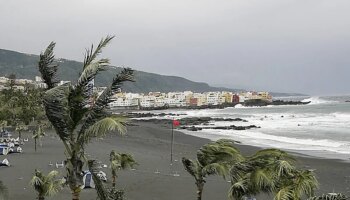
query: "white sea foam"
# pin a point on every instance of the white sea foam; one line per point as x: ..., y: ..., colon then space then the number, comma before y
x: 323, y: 127
x: 318, y: 100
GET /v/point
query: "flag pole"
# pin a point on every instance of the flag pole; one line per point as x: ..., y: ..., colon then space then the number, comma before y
x: 172, y: 142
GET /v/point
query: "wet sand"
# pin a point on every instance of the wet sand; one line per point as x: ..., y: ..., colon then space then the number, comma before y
x: 154, y: 178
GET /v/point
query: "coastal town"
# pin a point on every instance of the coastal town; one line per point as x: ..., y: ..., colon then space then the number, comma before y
x: 154, y: 100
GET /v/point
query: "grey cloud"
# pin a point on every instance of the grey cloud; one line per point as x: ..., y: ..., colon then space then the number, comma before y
x: 290, y: 45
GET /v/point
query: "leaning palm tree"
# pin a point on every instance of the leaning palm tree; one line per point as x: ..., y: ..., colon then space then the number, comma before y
x: 70, y: 109
x: 4, y: 195
x: 47, y: 185
x: 212, y: 158
x: 120, y: 161
x: 330, y: 196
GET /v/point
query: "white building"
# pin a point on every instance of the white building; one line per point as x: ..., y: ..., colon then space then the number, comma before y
x: 213, y: 98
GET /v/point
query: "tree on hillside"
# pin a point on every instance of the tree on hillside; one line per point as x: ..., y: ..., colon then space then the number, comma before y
x: 213, y: 158
x: 70, y: 109
x: 46, y: 185
x: 120, y: 161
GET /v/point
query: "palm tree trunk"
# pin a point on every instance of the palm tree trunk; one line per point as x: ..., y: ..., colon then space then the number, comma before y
x: 200, y: 187
x: 113, y: 181
x: 76, y: 194
x: 40, y: 197
x: 19, y: 135
x: 35, y: 144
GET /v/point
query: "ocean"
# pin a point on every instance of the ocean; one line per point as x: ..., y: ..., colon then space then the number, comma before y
x: 321, y: 128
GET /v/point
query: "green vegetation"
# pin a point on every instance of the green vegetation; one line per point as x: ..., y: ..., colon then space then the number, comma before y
x: 120, y: 161
x: 212, y: 158
x: 75, y: 117
x: 270, y: 171
x: 21, y: 107
x: 47, y: 185
x: 330, y: 196
x: 104, y: 192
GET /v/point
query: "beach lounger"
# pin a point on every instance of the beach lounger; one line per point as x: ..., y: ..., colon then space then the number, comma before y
x: 5, y: 163
x: 59, y: 165
x: 4, y: 150
x: 16, y: 150
x: 102, y: 176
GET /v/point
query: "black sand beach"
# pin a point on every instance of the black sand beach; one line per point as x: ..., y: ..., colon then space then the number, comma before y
x: 150, y: 144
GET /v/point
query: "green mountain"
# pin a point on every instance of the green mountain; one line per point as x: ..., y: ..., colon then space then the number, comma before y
x: 25, y: 66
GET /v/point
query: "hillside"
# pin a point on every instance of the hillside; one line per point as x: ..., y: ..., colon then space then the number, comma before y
x: 25, y: 66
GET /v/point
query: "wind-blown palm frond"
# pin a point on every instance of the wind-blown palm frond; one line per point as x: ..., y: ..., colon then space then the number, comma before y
x: 91, y: 54
x: 98, y: 112
x: 269, y: 171
x: 273, y: 154
x: 103, y: 192
x: 120, y: 161
x: 284, y: 194
x: 190, y: 166
x: 105, y: 125
x: 330, y: 196
x: 57, y: 111
x: 221, y: 169
x: 218, y: 152
x: 238, y: 189
x: 47, y: 68
x: 305, y: 183
x: 47, y: 185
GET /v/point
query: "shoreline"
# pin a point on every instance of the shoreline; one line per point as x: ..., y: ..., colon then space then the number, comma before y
x: 150, y: 145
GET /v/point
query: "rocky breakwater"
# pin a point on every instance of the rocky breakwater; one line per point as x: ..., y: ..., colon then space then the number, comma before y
x: 191, y: 123
x: 259, y: 102
x: 200, y: 123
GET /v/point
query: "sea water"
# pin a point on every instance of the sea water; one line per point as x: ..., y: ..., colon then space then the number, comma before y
x: 321, y: 128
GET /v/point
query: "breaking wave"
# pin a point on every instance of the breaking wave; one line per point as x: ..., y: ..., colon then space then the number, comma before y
x: 317, y: 100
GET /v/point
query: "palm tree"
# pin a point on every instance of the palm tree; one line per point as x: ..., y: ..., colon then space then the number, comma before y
x: 120, y: 161
x: 75, y: 118
x: 296, y: 185
x: 46, y: 185
x: 330, y: 196
x: 37, y: 135
x: 103, y: 192
x: 212, y: 158
x: 20, y: 128
x: 270, y: 171
x: 4, y: 195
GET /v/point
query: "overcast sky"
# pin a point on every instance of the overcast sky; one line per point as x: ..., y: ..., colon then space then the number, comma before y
x: 276, y: 45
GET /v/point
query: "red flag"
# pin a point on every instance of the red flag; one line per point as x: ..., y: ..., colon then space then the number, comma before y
x: 176, y: 123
